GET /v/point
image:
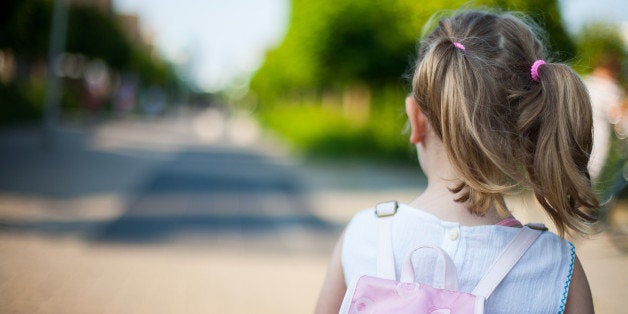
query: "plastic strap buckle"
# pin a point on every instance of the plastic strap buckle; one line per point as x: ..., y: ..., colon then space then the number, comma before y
x: 386, y: 209
x: 537, y: 226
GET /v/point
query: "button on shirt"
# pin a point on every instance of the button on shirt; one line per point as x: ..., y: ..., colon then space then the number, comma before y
x: 453, y: 234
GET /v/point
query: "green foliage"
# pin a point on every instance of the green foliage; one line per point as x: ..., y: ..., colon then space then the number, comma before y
x: 97, y: 34
x: 546, y: 14
x: 91, y: 32
x: 328, y: 131
x: 365, y: 42
x: 153, y: 71
x: 334, y: 46
x: 20, y: 102
x: 599, y: 44
x: 26, y: 28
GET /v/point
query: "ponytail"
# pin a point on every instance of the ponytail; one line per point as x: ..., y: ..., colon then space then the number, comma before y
x: 555, y: 123
x: 454, y: 90
x: 507, y: 122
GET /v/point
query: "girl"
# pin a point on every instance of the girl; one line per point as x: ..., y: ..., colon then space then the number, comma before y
x: 488, y: 116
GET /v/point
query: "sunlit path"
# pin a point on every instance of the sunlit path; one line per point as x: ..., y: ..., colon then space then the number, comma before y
x: 156, y: 216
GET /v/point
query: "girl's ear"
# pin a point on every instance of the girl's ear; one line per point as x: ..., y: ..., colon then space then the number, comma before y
x: 418, y: 123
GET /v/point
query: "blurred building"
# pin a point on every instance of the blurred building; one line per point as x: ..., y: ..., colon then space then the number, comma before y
x: 131, y: 25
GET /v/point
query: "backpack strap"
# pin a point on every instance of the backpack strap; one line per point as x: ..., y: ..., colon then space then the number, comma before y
x: 450, y: 274
x: 507, y: 260
x: 385, y: 258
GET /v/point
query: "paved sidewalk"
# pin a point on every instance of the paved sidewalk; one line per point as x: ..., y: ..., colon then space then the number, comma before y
x: 184, y: 215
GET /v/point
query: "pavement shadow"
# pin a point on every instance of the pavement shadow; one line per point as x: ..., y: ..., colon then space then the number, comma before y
x: 71, y: 169
x: 204, y: 193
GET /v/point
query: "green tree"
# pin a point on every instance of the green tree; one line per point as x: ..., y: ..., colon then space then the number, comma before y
x: 336, y: 52
x: 600, y: 44
x: 332, y: 44
x: 25, y: 27
x: 97, y: 34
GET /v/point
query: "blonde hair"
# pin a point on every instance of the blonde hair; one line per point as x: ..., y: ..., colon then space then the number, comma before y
x: 501, y: 129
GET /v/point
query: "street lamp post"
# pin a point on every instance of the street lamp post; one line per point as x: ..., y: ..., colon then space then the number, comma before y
x: 53, y: 83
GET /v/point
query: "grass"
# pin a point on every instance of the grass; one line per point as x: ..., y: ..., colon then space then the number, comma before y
x: 328, y: 131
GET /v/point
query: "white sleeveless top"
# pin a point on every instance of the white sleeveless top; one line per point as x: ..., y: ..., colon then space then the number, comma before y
x: 538, y: 283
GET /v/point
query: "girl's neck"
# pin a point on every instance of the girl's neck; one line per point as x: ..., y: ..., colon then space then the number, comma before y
x: 437, y: 199
x: 440, y: 202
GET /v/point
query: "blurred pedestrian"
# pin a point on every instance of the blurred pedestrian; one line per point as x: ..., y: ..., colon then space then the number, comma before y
x: 606, y: 98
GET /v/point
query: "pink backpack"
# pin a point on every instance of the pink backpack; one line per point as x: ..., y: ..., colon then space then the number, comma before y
x: 384, y: 294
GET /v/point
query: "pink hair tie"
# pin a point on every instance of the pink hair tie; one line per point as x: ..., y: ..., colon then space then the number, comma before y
x: 460, y: 46
x: 534, y: 70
